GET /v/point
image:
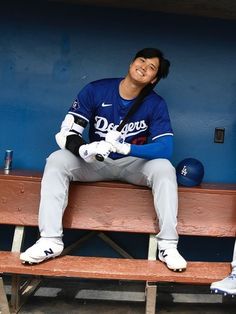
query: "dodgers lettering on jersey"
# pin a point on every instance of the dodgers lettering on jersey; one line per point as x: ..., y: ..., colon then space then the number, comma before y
x: 100, y: 104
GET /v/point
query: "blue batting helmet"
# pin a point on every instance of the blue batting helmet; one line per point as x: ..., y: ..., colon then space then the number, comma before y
x: 190, y: 172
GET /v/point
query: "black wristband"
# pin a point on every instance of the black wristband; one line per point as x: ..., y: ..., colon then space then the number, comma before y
x: 73, y: 143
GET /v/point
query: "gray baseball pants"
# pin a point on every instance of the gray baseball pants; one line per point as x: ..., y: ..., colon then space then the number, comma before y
x: 62, y: 167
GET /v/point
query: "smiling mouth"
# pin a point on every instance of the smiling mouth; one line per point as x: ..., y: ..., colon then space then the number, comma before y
x: 140, y: 72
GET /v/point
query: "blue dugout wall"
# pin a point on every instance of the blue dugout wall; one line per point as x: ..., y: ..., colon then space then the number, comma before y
x: 49, y: 51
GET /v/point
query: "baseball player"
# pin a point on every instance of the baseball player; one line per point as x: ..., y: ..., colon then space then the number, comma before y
x: 228, y: 284
x: 138, y: 153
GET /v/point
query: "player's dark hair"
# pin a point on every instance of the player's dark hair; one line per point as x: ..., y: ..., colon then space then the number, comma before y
x: 162, y: 72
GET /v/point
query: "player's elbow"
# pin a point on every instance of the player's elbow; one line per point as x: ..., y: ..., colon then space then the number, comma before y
x: 167, y: 147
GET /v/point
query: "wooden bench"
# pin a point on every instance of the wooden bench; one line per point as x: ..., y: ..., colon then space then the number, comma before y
x: 208, y: 210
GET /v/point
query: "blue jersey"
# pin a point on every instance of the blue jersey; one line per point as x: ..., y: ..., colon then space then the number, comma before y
x: 100, y: 104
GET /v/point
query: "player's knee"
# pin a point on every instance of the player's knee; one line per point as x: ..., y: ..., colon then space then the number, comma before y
x: 162, y: 167
x: 163, y: 170
x: 60, y: 159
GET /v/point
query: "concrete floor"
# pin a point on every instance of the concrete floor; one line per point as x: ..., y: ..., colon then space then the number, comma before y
x: 68, y: 297
x: 42, y: 306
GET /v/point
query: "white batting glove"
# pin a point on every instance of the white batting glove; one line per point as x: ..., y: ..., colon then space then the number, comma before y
x: 122, y: 148
x: 104, y: 148
x: 113, y: 136
x: 89, y: 151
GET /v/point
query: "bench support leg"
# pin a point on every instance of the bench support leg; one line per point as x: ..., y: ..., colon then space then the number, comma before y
x: 151, y: 292
x: 151, y: 288
x: 15, y: 287
x: 4, y: 307
x: 15, y: 293
x: 21, y: 290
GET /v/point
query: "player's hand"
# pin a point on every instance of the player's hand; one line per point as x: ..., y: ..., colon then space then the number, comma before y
x: 89, y: 151
x: 104, y: 149
x: 122, y: 148
x: 113, y: 136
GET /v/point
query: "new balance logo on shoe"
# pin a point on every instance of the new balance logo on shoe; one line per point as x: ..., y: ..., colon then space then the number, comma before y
x: 163, y: 253
x: 48, y: 252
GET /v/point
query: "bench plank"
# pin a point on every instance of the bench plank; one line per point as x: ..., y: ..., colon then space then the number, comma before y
x: 207, y: 210
x: 115, y: 268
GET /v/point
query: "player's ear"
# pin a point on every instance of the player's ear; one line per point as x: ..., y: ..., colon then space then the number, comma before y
x: 154, y: 80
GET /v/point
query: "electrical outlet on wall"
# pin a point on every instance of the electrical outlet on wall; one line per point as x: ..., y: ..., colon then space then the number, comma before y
x: 219, y: 136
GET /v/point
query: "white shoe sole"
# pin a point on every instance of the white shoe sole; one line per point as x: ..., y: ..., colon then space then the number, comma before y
x: 224, y: 292
x: 29, y: 260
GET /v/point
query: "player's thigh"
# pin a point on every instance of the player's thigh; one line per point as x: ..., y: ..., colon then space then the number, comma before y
x: 144, y: 172
x: 74, y: 167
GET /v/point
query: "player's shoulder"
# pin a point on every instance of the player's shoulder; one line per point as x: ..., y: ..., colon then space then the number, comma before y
x: 153, y: 96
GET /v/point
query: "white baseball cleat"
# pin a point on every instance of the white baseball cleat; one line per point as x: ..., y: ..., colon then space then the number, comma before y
x: 173, y: 260
x: 42, y: 250
x: 226, y: 286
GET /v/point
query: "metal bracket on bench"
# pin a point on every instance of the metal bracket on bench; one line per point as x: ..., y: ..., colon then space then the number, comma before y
x: 114, y: 245
x: 81, y: 240
x: 102, y: 236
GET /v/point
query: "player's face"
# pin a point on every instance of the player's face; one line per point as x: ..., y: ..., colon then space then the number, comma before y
x: 144, y: 70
